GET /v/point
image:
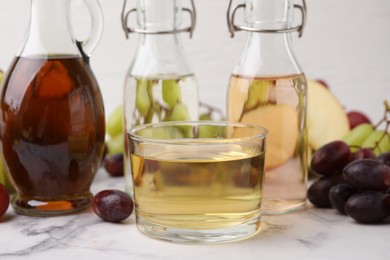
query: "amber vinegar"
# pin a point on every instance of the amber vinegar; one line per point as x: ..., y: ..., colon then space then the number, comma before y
x: 52, y: 133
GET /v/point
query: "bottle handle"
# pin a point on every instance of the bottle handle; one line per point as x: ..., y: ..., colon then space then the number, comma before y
x: 89, y: 45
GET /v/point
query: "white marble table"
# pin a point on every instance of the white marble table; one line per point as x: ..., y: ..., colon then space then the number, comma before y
x: 309, y: 234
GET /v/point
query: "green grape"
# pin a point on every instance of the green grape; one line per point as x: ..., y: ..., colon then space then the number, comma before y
x: 381, y: 137
x: 161, y: 133
x: 172, y: 133
x: 115, y: 122
x: 205, y: 117
x: 1, y: 76
x: 142, y: 100
x: 171, y: 92
x: 116, y: 144
x: 179, y: 113
x: 358, y: 135
x: 4, y: 179
x: 209, y: 131
x: 220, y: 131
x: 187, y: 131
x: 258, y: 94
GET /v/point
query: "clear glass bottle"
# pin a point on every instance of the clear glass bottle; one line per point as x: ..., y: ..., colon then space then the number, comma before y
x: 160, y: 85
x: 268, y: 88
x: 52, y: 114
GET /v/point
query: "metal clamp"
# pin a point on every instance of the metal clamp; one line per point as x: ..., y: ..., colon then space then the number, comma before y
x: 190, y: 29
x: 235, y: 28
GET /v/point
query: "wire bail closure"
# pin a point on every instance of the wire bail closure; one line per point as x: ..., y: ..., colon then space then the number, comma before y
x: 235, y: 28
x: 125, y: 16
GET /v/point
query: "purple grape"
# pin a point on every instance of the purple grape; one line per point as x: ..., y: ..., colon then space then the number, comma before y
x: 318, y: 193
x: 368, y: 206
x: 112, y: 205
x: 367, y: 174
x: 384, y: 158
x: 363, y: 153
x: 331, y: 158
x: 339, y: 195
x: 4, y: 200
x: 114, y: 164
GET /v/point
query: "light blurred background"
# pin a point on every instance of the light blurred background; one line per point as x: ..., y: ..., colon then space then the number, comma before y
x: 346, y: 43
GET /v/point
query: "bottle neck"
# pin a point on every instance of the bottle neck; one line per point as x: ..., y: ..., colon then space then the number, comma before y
x: 161, y: 15
x: 267, y: 54
x: 160, y: 55
x: 269, y: 15
x: 49, y: 31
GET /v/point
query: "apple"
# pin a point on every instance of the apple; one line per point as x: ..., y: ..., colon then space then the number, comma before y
x: 282, y: 134
x: 356, y: 118
x: 323, y: 82
x: 327, y: 120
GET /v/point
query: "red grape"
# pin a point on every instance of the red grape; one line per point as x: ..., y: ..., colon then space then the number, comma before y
x: 368, y: 206
x: 331, y: 158
x: 112, y: 205
x: 384, y: 158
x: 367, y: 174
x: 318, y: 193
x: 339, y: 195
x: 114, y: 164
x: 363, y: 153
x: 4, y: 200
x: 356, y: 118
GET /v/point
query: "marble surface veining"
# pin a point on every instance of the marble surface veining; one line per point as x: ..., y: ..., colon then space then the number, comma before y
x: 308, y: 234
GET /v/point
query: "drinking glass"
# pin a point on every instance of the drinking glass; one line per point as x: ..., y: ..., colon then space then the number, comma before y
x: 198, y: 182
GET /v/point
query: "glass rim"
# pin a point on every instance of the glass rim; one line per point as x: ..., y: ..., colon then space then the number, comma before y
x: 263, y: 132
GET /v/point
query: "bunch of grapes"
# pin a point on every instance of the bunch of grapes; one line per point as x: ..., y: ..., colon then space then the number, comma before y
x: 355, y: 173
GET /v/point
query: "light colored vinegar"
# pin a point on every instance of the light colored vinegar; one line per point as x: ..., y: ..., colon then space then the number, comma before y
x: 211, y: 192
x: 278, y: 104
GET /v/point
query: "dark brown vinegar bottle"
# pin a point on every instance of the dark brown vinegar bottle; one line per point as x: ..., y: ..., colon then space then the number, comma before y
x: 52, y: 125
x: 52, y: 132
